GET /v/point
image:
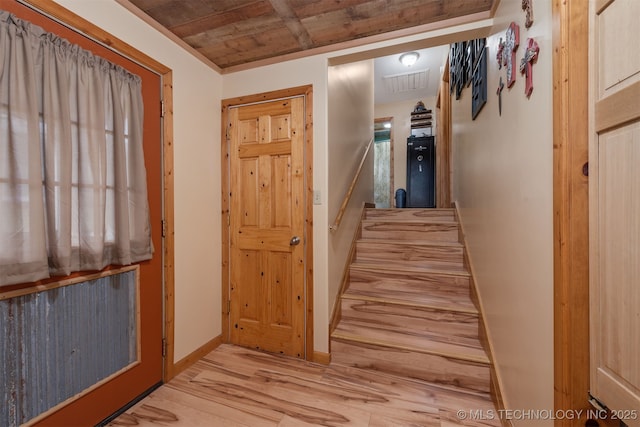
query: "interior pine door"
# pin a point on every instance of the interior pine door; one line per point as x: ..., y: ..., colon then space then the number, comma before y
x: 615, y: 208
x: 267, y: 225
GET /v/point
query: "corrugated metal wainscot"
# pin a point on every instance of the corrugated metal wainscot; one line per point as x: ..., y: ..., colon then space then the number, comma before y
x: 57, y: 343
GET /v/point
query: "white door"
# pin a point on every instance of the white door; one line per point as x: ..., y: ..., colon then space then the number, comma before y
x: 614, y: 179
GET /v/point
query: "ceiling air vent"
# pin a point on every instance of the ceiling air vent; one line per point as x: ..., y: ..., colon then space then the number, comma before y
x: 405, y: 82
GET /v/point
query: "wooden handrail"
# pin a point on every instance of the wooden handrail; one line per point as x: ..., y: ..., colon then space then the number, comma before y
x: 347, y: 196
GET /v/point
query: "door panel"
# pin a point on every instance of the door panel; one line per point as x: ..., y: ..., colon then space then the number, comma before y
x: 267, y: 212
x: 614, y: 207
x: 618, y: 66
x: 619, y: 251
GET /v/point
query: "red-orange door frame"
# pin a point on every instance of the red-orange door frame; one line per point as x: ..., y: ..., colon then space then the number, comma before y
x: 101, y: 402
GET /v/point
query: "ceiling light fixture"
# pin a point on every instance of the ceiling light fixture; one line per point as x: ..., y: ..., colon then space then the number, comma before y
x: 409, y: 58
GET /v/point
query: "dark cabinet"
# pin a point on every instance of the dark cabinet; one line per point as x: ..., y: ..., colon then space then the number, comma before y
x: 421, y: 172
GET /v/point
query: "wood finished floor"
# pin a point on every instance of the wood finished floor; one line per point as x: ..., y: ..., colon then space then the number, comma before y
x: 234, y: 386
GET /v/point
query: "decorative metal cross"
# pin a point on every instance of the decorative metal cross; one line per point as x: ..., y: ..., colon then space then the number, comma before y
x: 526, y: 64
x: 500, y: 53
x: 527, y: 6
x: 499, y: 93
x: 509, y: 52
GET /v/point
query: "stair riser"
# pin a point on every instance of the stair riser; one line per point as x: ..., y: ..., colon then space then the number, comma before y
x: 410, y: 339
x: 410, y: 231
x: 432, y: 368
x: 410, y: 282
x: 414, y: 267
x: 417, y: 253
x: 438, y: 325
x: 441, y: 298
x: 411, y: 214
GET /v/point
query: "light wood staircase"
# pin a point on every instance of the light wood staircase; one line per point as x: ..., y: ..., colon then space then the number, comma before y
x: 407, y: 309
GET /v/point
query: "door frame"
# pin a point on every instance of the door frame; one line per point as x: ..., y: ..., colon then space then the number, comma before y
x: 391, y: 156
x: 444, y: 170
x: 571, y: 207
x: 306, y: 92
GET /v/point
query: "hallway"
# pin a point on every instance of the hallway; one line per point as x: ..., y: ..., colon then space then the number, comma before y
x: 233, y: 386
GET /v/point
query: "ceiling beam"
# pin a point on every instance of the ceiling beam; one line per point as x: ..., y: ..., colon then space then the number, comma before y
x: 291, y: 21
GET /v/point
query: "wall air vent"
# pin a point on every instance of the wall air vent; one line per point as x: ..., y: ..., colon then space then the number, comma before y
x: 404, y: 82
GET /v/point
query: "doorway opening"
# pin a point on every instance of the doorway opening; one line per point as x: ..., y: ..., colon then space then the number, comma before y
x: 383, y: 162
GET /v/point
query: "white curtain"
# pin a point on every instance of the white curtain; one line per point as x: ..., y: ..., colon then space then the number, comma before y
x: 73, y: 191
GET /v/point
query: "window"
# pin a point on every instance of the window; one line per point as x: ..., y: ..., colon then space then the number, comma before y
x: 73, y: 192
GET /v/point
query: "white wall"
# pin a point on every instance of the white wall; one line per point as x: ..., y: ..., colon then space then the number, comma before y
x: 503, y: 183
x: 196, y: 110
x: 401, y: 113
x: 350, y: 105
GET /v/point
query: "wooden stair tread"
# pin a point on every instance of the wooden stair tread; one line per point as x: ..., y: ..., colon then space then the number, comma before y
x: 427, y: 370
x: 458, y: 305
x: 423, y: 253
x: 453, y: 332
x: 367, y: 376
x: 451, y: 210
x: 416, y: 213
x: 442, y: 301
x: 349, y: 331
x: 431, y: 289
x: 377, y: 273
x: 402, y: 221
x: 438, y: 290
x: 417, y: 242
x: 423, y: 323
x: 417, y: 264
x: 427, y: 230
x: 412, y: 268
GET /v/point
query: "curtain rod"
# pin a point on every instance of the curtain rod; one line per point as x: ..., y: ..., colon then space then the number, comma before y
x: 35, y: 8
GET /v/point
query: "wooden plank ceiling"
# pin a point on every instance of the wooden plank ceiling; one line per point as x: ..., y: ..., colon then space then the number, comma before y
x: 235, y: 32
